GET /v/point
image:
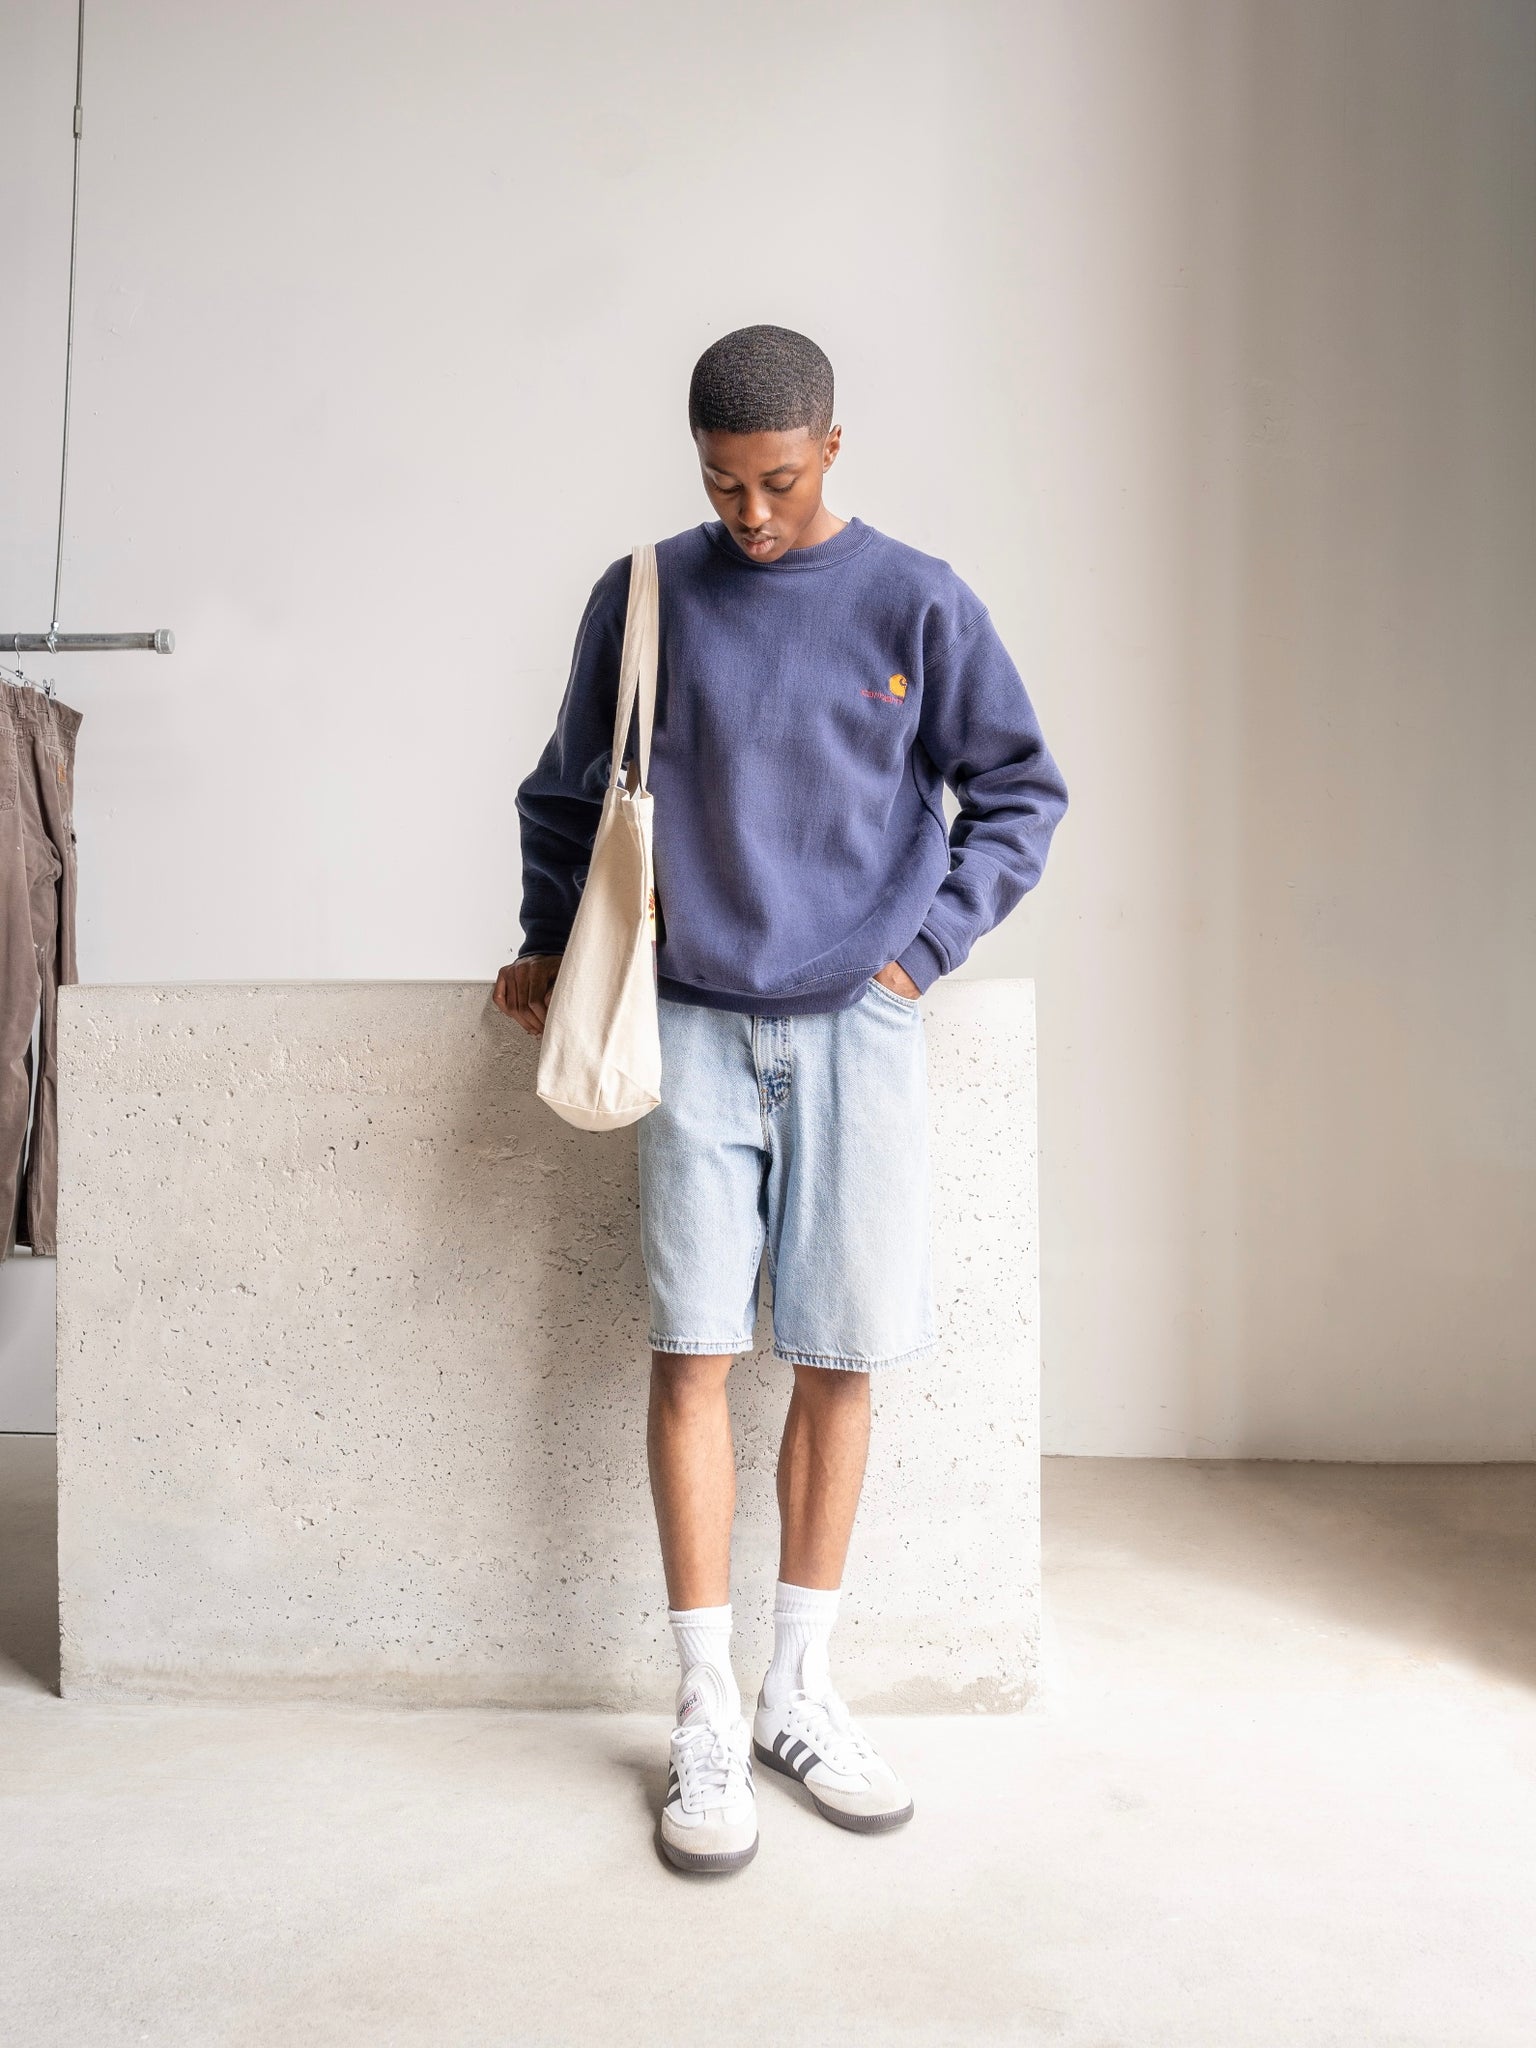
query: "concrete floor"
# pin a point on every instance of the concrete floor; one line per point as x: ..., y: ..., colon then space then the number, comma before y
x: 1279, y: 1790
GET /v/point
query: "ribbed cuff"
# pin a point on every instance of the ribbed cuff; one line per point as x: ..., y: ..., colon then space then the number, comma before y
x: 805, y: 1603
x: 923, y: 961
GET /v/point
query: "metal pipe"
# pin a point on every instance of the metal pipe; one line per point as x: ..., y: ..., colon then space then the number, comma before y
x: 69, y: 331
x: 163, y: 642
x: 53, y: 641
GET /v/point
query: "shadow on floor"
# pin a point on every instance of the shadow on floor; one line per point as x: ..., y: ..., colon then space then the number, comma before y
x: 29, y: 1562
x: 1433, y: 1562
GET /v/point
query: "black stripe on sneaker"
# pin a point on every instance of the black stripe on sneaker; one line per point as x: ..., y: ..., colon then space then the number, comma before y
x: 792, y: 1749
x: 807, y: 1761
x: 781, y: 1742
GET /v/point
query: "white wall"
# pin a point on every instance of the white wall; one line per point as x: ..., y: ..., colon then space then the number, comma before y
x: 1200, y: 339
x: 26, y: 1345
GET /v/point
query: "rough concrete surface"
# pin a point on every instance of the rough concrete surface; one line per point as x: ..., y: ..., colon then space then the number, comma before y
x: 1277, y: 1790
x: 352, y: 1369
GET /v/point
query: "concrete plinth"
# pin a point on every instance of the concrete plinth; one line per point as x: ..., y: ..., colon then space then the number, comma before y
x: 352, y: 1369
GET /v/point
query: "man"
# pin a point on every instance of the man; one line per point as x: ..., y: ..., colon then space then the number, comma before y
x: 818, y: 684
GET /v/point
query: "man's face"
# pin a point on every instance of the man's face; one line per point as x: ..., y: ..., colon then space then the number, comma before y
x: 766, y: 487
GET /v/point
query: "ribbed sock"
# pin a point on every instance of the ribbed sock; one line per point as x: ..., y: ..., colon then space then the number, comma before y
x: 704, y: 1637
x: 802, y: 1628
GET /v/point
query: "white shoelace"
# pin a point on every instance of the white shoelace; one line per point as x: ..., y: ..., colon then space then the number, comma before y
x: 710, y: 1768
x: 832, y: 1731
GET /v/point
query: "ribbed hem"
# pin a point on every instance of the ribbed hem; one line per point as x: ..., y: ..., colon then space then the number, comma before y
x: 805, y: 1603
x: 837, y: 995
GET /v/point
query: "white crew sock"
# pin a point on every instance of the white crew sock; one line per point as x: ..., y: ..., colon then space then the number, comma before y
x: 704, y: 1637
x: 802, y: 1627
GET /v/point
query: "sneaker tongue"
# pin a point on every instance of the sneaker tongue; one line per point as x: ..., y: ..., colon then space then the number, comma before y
x: 702, y: 1698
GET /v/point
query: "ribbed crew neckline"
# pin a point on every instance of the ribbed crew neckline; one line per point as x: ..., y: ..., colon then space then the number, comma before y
x: 825, y: 555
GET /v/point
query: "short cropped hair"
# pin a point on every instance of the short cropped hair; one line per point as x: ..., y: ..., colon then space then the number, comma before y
x: 761, y: 380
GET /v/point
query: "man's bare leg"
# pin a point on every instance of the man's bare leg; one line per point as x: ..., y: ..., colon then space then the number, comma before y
x: 709, y: 1815
x: 821, y: 1470
x: 800, y: 1724
x: 693, y: 1475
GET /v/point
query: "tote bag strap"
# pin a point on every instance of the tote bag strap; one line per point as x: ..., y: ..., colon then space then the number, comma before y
x: 637, y: 667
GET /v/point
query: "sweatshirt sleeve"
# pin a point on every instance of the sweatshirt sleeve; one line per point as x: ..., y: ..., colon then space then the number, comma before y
x: 560, y: 800
x: 980, y: 730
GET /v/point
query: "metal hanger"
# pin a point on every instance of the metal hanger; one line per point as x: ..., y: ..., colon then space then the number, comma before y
x: 16, y: 675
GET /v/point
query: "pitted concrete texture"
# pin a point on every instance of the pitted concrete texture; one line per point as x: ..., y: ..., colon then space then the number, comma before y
x: 352, y: 1369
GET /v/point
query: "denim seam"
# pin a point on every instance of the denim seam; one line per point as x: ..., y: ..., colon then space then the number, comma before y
x: 841, y: 1361
x: 761, y: 1079
x: 703, y: 1347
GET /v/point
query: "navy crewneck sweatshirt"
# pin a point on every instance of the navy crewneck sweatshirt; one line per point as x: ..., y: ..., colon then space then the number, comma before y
x: 808, y: 711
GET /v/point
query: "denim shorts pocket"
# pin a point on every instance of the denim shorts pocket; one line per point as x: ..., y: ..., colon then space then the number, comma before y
x: 910, y: 1004
x: 10, y: 770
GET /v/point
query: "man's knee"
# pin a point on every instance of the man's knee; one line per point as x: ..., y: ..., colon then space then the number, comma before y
x: 682, y: 1378
x: 828, y: 1386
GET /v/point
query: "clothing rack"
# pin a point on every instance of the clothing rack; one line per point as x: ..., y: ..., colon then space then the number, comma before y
x: 161, y: 642
x: 53, y: 641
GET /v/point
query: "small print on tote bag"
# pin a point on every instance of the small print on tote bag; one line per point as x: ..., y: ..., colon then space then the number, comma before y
x: 600, y: 1054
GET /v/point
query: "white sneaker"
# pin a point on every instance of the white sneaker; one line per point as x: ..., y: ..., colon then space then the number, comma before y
x: 709, y: 1816
x: 819, y: 1742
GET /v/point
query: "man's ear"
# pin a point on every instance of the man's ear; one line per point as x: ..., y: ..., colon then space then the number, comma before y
x: 829, y: 448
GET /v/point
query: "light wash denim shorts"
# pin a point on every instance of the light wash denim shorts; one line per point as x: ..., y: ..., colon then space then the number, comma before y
x: 807, y: 1136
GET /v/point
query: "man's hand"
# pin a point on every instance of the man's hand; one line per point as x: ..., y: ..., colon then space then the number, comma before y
x: 522, y: 989
x: 896, y: 978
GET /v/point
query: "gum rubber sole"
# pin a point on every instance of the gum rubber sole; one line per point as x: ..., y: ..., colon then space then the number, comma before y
x: 715, y: 1864
x: 858, y: 1823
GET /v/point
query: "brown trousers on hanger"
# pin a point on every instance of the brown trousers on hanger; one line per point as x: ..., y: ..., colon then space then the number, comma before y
x: 37, y: 952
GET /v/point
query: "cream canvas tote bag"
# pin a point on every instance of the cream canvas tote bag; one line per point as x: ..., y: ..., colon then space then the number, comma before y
x: 600, y: 1055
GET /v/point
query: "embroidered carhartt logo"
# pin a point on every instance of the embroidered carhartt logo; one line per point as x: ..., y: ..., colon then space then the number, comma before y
x: 895, y: 689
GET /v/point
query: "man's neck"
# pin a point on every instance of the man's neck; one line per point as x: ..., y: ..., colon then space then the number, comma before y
x: 821, y: 528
